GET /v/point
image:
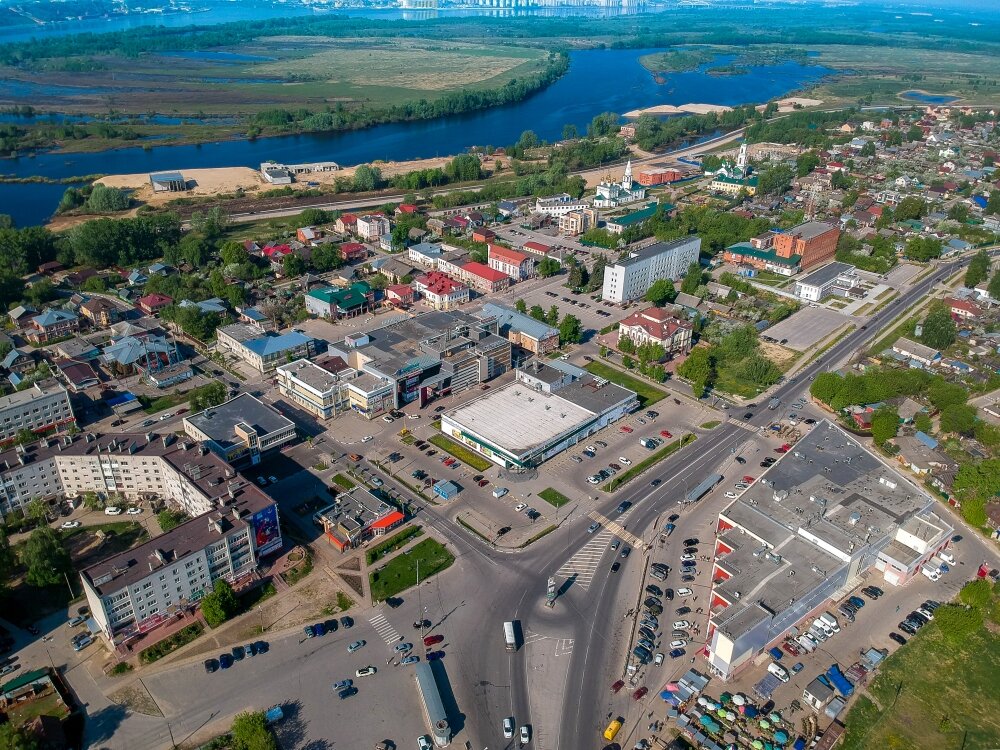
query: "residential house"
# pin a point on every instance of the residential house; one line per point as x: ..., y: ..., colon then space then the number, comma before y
x: 371, y: 227
x: 308, y: 235
x: 346, y: 223
x: 153, y: 303
x: 253, y: 316
x: 919, y: 453
x: 425, y: 254
x: 19, y: 361
x: 657, y: 326
x: 440, y: 291
x: 331, y: 302
x: 399, y: 295
x: 575, y: 223
x: 207, y: 306
x: 352, y: 252
x: 136, y: 278
x: 52, y: 324
x: 22, y: 314
x: 79, y: 376
x: 77, y: 349
x: 517, y: 266
x: 53, y: 266
x: 101, y: 312
x: 536, y: 248
x: 915, y: 352
x: 963, y: 309
x: 397, y: 270
x: 483, y: 235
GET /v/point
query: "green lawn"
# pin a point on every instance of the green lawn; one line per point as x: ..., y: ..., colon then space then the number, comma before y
x: 711, y: 425
x: 553, y: 497
x: 938, y: 691
x: 400, y: 573
x: 461, y: 452
x: 343, y: 482
x: 168, y: 645
x: 640, y: 467
x: 648, y: 394
x: 393, y: 543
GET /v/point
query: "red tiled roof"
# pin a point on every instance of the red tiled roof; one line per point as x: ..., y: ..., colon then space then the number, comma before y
x: 507, y: 255
x: 655, y: 321
x: 273, y: 250
x: 400, y: 290
x: 438, y: 283
x: 538, y: 247
x: 348, y: 218
x: 961, y: 304
x: 408, y: 208
x: 388, y: 521
x: 352, y: 247
x: 484, y: 272
x: 154, y: 300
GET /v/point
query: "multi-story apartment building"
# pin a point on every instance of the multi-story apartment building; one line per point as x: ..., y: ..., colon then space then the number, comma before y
x: 557, y: 205
x: 371, y: 227
x: 137, y: 590
x: 240, y: 431
x: 787, y: 251
x: 42, y: 407
x: 631, y: 278
x: 263, y: 352
x: 319, y: 391
x: 577, y: 222
x: 52, y: 324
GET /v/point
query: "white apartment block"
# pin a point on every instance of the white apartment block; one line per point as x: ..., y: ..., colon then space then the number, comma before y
x: 371, y: 227
x: 43, y: 406
x: 631, y: 278
x: 557, y: 205
x: 317, y: 390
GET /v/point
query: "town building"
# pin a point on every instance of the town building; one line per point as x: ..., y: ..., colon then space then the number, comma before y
x: 521, y: 330
x: 275, y: 174
x: 424, y: 254
x: 241, y: 431
x: 355, y: 517
x: 547, y: 409
x: 612, y: 194
x: 656, y: 325
x: 371, y: 227
x: 653, y: 177
x: 963, y: 310
x: 761, y: 259
x: 335, y: 302
x: 41, y: 408
x: 316, y: 389
x: 421, y: 358
x: 827, y: 514
x: 52, y: 324
x: 815, y: 242
x: 168, y: 182
x: 732, y: 179
x: 631, y: 278
x: 619, y: 224
x: 557, y: 205
x: 19, y: 361
x: 484, y: 279
x: 399, y: 295
x: 576, y: 223
x: 517, y: 266
x: 440, y: 291
x: 101, y: 312
x: 352, y: 252
x: 263, y: 351
x: 833, y: 278
x: 153, y: 303
x: 134, y: 591
x: 918, y: 354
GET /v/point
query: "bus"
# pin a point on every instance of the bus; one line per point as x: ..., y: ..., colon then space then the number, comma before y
x: 510, y: 636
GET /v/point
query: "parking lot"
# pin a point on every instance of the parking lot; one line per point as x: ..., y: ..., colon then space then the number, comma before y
x: 807, y: 327
x: 592, y: 313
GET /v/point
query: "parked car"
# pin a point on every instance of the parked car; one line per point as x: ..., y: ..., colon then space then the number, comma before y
x: 618, y: 685
x: 365, y: 671
x: 432, y: 640
x: 639, y: 693
x: 69, y: 525
x: 898, y: 638
x: 211, y: 665
x: 355, y: 646
x: 113, y: 510
x: 676, y: 653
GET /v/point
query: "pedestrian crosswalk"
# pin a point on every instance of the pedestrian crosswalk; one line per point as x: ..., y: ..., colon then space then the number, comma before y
x: 583, y: 564
x: 616, y: 529
x: 744, y: 425
x: 384, y: 629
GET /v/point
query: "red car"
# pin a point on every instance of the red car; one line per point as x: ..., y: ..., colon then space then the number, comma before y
x: 791, y: 648
x: 665, y: 434
x: 617, y: 686
x: 781, y: 450
x: 749, y: 479
x: 787, y: 446
x: 626, y: 429
x: 483, y: 482
x: 637, y: 695
x: 432, y: 640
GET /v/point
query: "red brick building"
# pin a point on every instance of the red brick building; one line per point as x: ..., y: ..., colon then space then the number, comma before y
x: 815, y: 242
x: 353, y: 251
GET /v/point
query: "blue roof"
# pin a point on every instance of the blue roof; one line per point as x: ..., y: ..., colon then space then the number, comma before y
x: 11, y: 357
x: 266, y: 345
x: 122, y: 398
x: 926, y: 439
x: 980, y: 200
x: 51, y: 317
x: 252, y: 313
x: 507, y: 317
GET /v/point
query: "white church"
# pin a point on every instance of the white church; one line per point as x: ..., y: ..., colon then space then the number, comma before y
x: 612, y: 194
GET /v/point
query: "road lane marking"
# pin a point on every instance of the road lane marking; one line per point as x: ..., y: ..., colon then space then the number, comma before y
x: 384, y: 629
x: 617, y: 529
x: 582, y: 566
x: 744, y: 425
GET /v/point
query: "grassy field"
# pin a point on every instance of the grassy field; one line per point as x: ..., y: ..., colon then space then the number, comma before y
x: 344, y: 482
x: 648, y: 394
x: 553, y: 497
x: 400, y: 573
x: 938, y: 691
x: 392, y: 544
x: 460, y: 452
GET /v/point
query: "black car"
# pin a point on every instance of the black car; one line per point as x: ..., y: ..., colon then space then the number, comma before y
x: 330, y: 625
x: 652, y: 601
x: 687, y: 578
x: 626, y: 551
x: 673, y: 517
x: 647, y: 633
x: 346, y: 622
x: 907, y: 628
x: 691, y: 542
x: 690, y: 550
x: 623, y: 506
x: 347, y: 692
x: 225, y: 661
x: 689, y: 564
x: 211, y: 665
x: 654, y: 590
x: 238, y: 653
x: 914, y: 615
x: 261, y: 647
x: 748, y: 415
x: 682, y: 610
x: 439, y: 409
x: 655, y: 483
x: 898, y: 638
x: 740, y: 460
x: 615, y: 566
x: 668, y: 595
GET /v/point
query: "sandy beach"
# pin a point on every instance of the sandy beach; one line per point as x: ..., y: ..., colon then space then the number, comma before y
x: 684, y: 109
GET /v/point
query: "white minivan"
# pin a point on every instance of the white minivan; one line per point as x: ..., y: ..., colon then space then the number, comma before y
x: 778, y: 671
x: 499, y: 492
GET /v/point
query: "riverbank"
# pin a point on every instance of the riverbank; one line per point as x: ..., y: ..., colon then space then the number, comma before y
x: 683, y: 109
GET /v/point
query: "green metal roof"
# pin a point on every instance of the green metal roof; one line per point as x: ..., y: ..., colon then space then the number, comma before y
x: 748, y: 181
x: 640, y: 215
x: 25, y: 679
x: 743, y: 248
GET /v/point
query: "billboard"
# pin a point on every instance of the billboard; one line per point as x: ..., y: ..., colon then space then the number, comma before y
x: 266, y: 532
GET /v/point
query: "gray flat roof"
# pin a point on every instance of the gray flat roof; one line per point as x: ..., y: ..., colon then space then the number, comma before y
x: 657, y: 249
x: 810, y: 229
x: 311, y: 374
x: 826, y: 274
x: 219, y: 422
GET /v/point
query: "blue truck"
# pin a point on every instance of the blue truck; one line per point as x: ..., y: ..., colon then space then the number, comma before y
x: 840, y: 683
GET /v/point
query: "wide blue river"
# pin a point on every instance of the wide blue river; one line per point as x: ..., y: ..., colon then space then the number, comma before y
x: 597, y: 81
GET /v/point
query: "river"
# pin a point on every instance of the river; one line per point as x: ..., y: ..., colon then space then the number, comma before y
x: 597, y: 81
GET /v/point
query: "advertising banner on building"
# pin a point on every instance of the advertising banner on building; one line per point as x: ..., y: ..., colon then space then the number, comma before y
x: 267, y: 534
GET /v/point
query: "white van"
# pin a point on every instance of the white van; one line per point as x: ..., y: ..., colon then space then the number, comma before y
x: 930, y: 573
x: 806, y: 642
x: 778, y: 671
x: 499, y: 492
x: 947, y: 556
x: 830, y: 621
x: 820, y: 625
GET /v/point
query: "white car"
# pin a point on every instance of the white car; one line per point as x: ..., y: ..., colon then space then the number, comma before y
x: 272, y: 480
x: 519, y: 507
x: 684, y: 592
x: 592, y: 448
x: 424, y: 743
x: 687, y: 556
x: 594, y: 479
x: 678, y: 644
x: 112, y: 510
x: 367, y: 439
x: 134, y: 511
x: 413, y: 416
x: 69, y: 524
x: 525, y: 734
x: 365, y: 671
x: 681, y: 625
x: 508, y: 728
x: 658, y: 659
x: 741, y: 486
x: 732, y: 495
x: 168, y: 415
x: 624, y: 461
x: 947, y: 557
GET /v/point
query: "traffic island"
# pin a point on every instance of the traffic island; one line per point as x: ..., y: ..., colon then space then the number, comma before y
x: 642, y: 466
